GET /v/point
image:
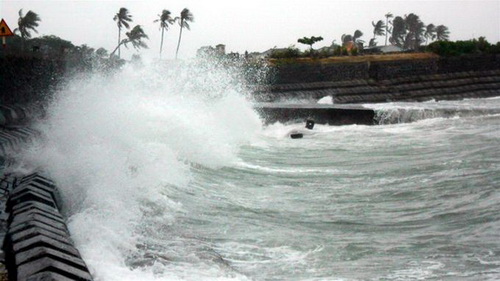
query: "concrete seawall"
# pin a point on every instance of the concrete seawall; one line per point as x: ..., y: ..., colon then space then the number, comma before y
x: 451, y: 86
x: 36, y: 243
x: 363, y: 81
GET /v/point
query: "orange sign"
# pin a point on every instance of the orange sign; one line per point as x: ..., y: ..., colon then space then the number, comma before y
x: 4, y: 29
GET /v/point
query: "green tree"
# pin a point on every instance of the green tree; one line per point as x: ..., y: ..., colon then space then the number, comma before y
x: 26, y: 24
x: 378, y: 30
x: 122, y: 18
x: 355, y: 38
x: 135, y: 37
x: 387, y: 30
x: 430, y: 32
x: 398, y: 31
x: 184, y: 20
x: 442, y: 33
x: 415, y: 29
x: 346, y: 38
x: 165, y: 20
x: 310, y: 41
x: 101, y: 52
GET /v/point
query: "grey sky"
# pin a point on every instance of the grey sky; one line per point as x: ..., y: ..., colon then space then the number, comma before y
x: 255, y: 25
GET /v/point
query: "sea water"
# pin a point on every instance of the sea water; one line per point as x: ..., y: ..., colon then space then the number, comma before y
x: 167, y: 173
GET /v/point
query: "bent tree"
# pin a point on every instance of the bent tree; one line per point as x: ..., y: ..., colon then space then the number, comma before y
x: 134, y: 37
x: 122, y: 19
x: 184, y: 20
x: 26, y: 24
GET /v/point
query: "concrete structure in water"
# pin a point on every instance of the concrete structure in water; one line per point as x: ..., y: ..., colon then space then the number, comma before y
x: 320, y: 113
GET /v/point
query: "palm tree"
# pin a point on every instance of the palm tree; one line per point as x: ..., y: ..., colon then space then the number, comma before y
x: 430, y: 32
x: 398, y: 31
x: 415, y: 30
x: 442, y: 33
x: 25, y: 24
x: 410, y: 22
x: 122, y: 18
x: 135, y: 37
x: 184, y: 19
x: 378, y: 29
x: 346, y: 38
x: 387, y: 31
x: 356, y: 40
x: 165, y: 19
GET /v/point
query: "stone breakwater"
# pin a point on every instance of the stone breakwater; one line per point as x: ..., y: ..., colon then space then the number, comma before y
x: 36, y: 243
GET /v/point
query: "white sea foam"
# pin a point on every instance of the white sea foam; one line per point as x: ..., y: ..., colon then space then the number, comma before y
x: 114, y: 143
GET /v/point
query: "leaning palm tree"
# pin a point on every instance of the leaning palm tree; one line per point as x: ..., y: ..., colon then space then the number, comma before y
x: 387, y: 31
x: 430, y: 32
x: 122, y: 19
x: 26, y: 24
x: 355, y: 38
x: 378, y: 29
x: 184, y: 19
x: 346, y: 38
x: 135, y: 37
x: 442, y: 33
x: 165, y: 19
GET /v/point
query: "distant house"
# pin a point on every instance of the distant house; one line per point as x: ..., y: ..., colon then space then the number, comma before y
x: 390, y: 49
x: 219, y: 50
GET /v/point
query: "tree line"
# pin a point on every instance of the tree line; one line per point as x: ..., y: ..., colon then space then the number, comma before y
x: 407, y: 32
x: 28, y: 23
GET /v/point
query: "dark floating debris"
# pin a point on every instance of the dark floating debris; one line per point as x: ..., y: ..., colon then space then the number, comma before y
x: 309, y: 125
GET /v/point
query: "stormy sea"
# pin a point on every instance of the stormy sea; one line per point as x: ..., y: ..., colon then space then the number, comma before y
x: 168, y: 173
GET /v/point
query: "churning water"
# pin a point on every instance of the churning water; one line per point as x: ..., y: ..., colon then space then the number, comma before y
x: 168, y: 174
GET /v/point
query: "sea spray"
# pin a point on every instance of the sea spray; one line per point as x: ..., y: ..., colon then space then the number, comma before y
x: 117, y: 144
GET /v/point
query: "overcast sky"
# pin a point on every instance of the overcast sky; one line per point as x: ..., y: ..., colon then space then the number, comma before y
x: 255, y: 25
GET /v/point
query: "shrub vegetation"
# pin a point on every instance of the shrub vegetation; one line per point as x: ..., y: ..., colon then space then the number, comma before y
x: 458, y: 48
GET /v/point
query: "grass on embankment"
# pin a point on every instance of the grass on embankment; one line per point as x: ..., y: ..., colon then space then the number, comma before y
x: 357, y: 59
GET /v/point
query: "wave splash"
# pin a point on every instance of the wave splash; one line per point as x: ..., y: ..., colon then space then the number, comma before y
x: 117, y: 144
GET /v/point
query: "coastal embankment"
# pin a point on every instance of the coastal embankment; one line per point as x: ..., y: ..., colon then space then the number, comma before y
x: 408, y: 78
x: 374, y: 79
